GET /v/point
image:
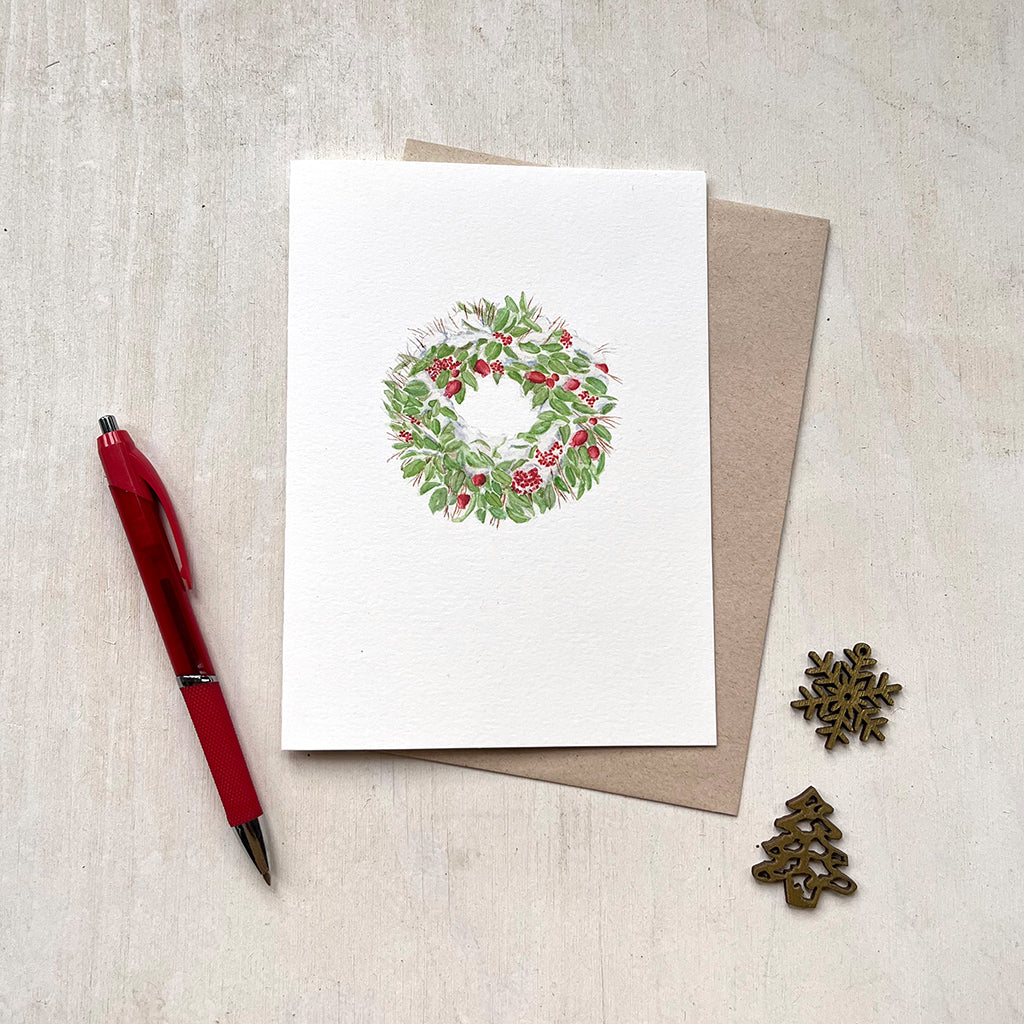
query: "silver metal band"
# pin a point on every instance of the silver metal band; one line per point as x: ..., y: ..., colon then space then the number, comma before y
x: 194, y: 680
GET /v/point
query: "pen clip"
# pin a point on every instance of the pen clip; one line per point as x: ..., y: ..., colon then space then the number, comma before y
x: 147, y: 473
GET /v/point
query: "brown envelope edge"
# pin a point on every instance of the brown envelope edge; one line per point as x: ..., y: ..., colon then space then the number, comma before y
x: 764, y: 274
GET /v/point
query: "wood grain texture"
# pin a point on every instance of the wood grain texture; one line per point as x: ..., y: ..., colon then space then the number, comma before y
x: 143, y: 222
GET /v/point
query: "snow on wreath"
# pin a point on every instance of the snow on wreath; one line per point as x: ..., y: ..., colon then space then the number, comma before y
x: 464, y: 472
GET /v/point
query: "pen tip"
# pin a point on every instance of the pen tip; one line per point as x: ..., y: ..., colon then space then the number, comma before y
x: 266, y: 877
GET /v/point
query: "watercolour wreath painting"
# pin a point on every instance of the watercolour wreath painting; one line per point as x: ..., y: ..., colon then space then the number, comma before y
x: 466, y: 472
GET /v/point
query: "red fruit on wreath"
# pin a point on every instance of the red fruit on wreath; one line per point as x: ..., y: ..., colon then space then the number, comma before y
x: 603, y: 367
x: 594, y: 452
x: 482, y: 367
x: 579, y: 438
x: 479, y: 480
x: 593, y: 419
x: 453, y: 388
x: 572, y: 384
x: 536, y: 377
x: 462, y: 500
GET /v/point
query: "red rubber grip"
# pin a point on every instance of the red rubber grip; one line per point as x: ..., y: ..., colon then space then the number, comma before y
x: 205, y: 704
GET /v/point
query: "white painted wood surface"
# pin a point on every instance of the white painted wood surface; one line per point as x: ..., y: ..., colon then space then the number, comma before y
x: 143, y: 159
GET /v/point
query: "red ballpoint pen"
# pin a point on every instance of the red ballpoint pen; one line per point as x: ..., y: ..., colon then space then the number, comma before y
x: 137, y: 491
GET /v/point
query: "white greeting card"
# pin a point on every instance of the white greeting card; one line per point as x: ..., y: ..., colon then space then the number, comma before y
x: 498, y: 523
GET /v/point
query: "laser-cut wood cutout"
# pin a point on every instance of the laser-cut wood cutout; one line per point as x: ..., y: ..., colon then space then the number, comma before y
x: 794, y: 854
x: 847, y: 696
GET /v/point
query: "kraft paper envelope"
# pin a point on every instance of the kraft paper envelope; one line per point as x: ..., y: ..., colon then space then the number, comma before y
x: 764, y: 272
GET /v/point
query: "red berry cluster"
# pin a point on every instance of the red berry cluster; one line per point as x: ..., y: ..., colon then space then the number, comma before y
x: 587, y: 397
x: 566, y: 339
x: 497, y: 366
x: 419, y: 423
x: 405, y: 436
x: 505, y: 339
x: 551, y: 456
x: 435, y: 368
x: 526, y: 481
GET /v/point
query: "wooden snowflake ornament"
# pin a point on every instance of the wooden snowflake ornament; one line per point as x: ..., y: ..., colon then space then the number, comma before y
x: 804, y: 855
x: 847, y: 695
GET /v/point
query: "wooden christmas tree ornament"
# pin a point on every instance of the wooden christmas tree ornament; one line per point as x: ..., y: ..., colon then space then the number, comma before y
x: 804, y: 856
x: 847, y: 695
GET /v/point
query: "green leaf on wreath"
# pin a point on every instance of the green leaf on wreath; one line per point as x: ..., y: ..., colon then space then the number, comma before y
x: 417, y: 388
x: 514, y: 374
x: 511, y: 304
x: 580, y: 363
x: 603, y: 431
x: 438, y: 500
x: 559, y: 404
x: 569, y: 474
x: 442, y: 380
x: 528, y: 346
x: 563, y: 431
x: 522, y: 302
x: 412, y: 468
x: 518, y: 332
x: 460, y: 397
x: 449, y: 412
x: 481, y: 514
x: 561, y: 485
x: 502, y: 477
x: 600, y: 466
x: 607, y: 407
x: 429, y: 485
x: 597, y: 387
x: 500, y: 320
x: 492, y: 351
x: 539, y: 398
x: 527, y: 322
x: 470, y: 379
